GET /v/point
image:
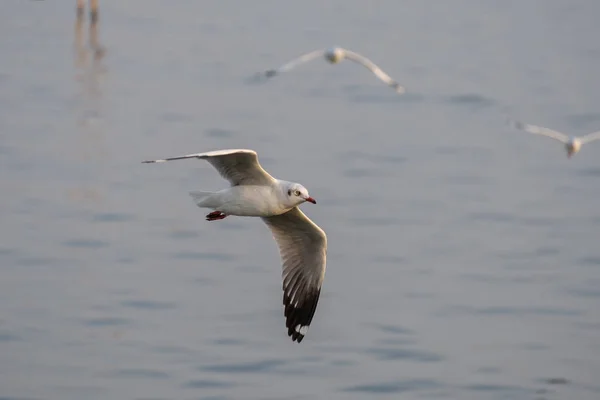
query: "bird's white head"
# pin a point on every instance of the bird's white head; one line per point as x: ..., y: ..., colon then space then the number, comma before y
x: 334, y: 55
x: 573, y: 146
x: 297, y: 194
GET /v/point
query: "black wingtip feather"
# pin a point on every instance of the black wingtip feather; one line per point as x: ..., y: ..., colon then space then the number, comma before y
x: 301, y: 315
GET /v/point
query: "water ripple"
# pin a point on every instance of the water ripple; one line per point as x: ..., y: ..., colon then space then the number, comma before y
x: 476, y: 152
x: 215, y: 398
x: 489, y: 370
x: 583, y: 120
x: 16, y: 398
x: 192, y: 255
x: 393, y: 260
x: 524, y: 311
x: 490, y: 217
x: 556, y: 381
x: 396, y: 387
x: 469, y: 99
x: 38, y: 261
x: 252, y: 367
x: 107, y: 321
x: 526, y: 255
x: 171, y: 349
x: 143, y: 373
x: 395, y: 329
x: 150, y: 398
x: 148, y: 304
x: 9, y: 337
x: 357, y: 155
x: 219, y: 133
x: 467, y: 180
x: 181, y: 234
x: 207, y: 384
x: 170, y: 116
x: 594, y: 261
x: 537, y: 221
x: 5, y: 150
x: 404, y: 354
x: 511, y: 310
x: 6, y: 251
x: 592, y: 293
x: 86, y: 243
x: 228, y: 342
x: 412, y: 98
x: 507, y: 391
x: 373, y: 221
x: 113, y: 217
x: 360, y: 173
x: 589, y: 172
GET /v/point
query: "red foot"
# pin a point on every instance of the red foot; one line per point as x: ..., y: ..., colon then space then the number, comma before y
x: 215, y: 216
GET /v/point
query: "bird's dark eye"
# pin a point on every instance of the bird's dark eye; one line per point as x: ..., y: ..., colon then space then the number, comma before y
x: 297, y: 193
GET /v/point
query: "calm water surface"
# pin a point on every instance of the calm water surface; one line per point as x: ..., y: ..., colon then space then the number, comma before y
x: 463, y: 256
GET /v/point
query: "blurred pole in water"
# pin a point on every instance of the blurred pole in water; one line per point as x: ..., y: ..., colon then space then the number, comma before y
x: 89, y: 74
x: 86, y: 73
x: 80, y: 51
x: 93, y: 10
x: 95, y: 45
x: 80, y: 8
x: 88, y: 104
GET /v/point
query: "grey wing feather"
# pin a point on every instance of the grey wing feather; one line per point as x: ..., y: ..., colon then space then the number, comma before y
x: 303, y: 249
x: 371, y: 66
x: 296, y: 61
x: 538, y: 130
x: 590, y: 137
x: 238, y: 166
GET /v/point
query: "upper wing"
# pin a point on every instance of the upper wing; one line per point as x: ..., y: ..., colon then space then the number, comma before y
x: 538, y: 130
x: 238, y: 166
x: 590, y: 137
x: 291, y: 64
x: 303, y: 249
x: 370, y: 65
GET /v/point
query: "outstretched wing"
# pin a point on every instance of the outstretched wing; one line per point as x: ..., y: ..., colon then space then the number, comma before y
x: 303, y: 249
x: 238, y: 166
x: 538, y: 130
x: 590, y: 137
x: 371, y: 66
x: 296, y: 61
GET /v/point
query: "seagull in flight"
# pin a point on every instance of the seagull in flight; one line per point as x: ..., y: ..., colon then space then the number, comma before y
x: 302, y: 244
x: 334, y: 55
x: 572, y: 143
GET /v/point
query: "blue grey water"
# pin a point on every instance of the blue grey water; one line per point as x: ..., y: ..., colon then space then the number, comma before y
x: 464, y: 257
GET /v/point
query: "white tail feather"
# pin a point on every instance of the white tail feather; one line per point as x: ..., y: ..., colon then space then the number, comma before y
x: 201, y: 198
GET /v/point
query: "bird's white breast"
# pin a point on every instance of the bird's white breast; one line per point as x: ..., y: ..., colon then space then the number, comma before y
x: 252, y: 201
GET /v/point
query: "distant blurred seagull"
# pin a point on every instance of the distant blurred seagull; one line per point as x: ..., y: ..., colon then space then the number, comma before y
x: 334, y: 56
x: 302, y: 244
x: 572, y: 143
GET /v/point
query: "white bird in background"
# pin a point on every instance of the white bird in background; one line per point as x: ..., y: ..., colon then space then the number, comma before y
x: 335, y: 55
x: 302, y: 244
x: 572, y: 143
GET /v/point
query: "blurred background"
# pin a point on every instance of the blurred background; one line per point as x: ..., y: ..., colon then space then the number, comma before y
x: 463, y: 256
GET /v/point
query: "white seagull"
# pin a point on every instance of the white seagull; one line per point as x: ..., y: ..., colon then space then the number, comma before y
x: 334, y: 55
x: 572, y: 143
x: 302, y: 244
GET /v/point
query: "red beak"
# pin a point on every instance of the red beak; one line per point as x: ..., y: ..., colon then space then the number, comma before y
x: 311, y: 200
